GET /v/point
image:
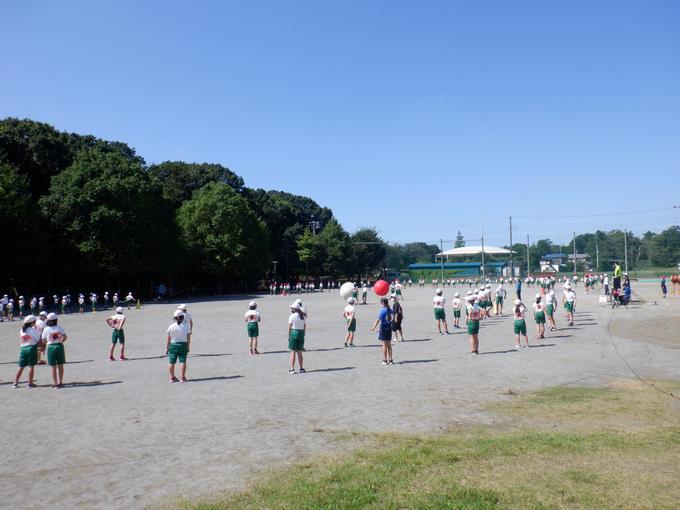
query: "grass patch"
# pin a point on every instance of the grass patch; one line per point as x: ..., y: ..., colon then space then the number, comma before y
x: 553, y: 455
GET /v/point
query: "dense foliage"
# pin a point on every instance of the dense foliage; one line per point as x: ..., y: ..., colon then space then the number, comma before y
x: 80, y: 213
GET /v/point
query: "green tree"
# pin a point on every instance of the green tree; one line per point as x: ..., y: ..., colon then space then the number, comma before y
x: 112, y: 212
x: 369, y: 251
x: 337, y: 246
x: 309, y: 251
x: 460, y: 240
x: 222, y: 234
x: 181, y: 179
x: 665, y: 249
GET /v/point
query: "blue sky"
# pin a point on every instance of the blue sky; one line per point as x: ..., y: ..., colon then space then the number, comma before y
x: 418, y: 118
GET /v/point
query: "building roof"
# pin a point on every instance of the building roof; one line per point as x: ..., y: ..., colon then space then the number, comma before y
x: 474, y: 250
x: 551, y: 256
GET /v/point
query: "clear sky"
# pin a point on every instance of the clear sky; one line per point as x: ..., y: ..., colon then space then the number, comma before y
x: 418, y: 118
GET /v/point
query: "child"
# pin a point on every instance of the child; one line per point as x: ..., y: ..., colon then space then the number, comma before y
x: 349, y: 315
x: 40, y: 327
x: 55, y: 336
x: 188, y: 320
x: 364, y: 293
x: 398, y: 312
x: 129, y: 299
x: 500, y: 297
x: 385, y: 333
x: 551, y: 305
x: 177, y: 346
x: 439, y: 303
x: 539, y: 317
x: 252, y: 318
x: 520, y: 324
x: 457, y: 305
x: 474, y: 314
x: 22, y: 305
x: 81, y: 304
x: 28, y: 357
x: 117, y: 335
x: 297, y: 325
x: 664, y: 289
x: 569, y: 300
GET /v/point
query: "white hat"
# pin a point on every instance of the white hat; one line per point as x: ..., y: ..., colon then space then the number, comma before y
x: 52, y: 317
x: 439, y: 292
x: 469, y: 293
x: 178, y: 313
x: 552, y: 292
x: 251, y: 304
x: 518, y: 302
x: 30, y: 318
x: 538, y: 295
x: 182, y: 307
x: 469, y: 298
x: 298, y: 301
x: 488, y: 285
x: 21, y: 297
x: 567, y: 286
x: 43, y: 313
x: 295, y: 305
x: 119, y: 309
x: 350, y: 300
x: 457, y: 294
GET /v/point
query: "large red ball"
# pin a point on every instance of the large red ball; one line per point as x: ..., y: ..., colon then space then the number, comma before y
x: 381, y: 287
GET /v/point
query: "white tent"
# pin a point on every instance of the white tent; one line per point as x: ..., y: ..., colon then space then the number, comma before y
x: 473, y: 250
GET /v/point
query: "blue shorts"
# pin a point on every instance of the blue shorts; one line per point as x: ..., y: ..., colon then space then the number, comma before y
x: 385, y: 334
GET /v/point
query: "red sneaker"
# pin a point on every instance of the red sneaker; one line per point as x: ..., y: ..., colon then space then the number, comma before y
x: 123, y: 358
x: 111, y: 358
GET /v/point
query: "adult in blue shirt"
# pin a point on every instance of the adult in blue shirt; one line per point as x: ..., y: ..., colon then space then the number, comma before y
x: 518, y: 288
x: 385, y: 317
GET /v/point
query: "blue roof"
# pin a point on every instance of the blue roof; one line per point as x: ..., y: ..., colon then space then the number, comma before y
x: 549, y: 256
x: 455, y: 265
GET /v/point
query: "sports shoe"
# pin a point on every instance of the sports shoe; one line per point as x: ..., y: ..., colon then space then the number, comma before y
x: 345, y: 344
x: 255, y: 351
x: 111, y: 358
x: 174, y: 379
x: 183, y: 379
x: 518, y: 347
x: 384, y: 362
x: 32, y: 385
x: 391, y: 362
x: 15, y: 385
x: 302, y: 371
x: 123, y: 358
x: 291, y: 371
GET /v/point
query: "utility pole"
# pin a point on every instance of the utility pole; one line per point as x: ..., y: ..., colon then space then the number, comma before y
x: 441, y: 257
x: 574, y: 253
x: 314, y: 225
x: 483, y: 268
x: 528, y: 271
x: 597, y: 256
x: 512, y: 265
x: 625, y: 249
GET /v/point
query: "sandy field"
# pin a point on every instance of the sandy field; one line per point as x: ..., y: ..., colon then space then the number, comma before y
x: 120, y: 436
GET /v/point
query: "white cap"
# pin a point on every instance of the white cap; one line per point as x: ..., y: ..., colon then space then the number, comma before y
x: 52, y: 316
x: 469, y: 293
x: 469, y: 298
x: 295, y: 305
x: 298, y: 301
x: 439, y: 292
x: 30, y: 318
x: 350, y: 300
x: 538, y: 296
x: 178, y: 313
x: 488, y: 285
x: 43, y: 314
x: 119, y: 309
x: 457, y: 294
x: 518, y: 302
x: 182, y: 307
x: 252, y: 303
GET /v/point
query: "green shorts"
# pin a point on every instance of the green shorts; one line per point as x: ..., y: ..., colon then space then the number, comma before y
x: 539, y: 317
x: 551, y: 310
x: 118, y: 336
x: 56, y: 354
x: 456, y: 314
x: 28, y: 356
x: 473, y: 327
x: 352, y: 326
x: 520, y: 327
x: 569, y: 306
x: 499, y: 300
x: 439, y: 314
x: 253, y: 329
x: 178, y: 350
x: 296, y: 341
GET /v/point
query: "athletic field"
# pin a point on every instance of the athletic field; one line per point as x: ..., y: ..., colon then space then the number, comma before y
x: 120, y: 436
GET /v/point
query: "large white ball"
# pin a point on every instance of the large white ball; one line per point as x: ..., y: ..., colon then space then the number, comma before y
x: 346, y: 290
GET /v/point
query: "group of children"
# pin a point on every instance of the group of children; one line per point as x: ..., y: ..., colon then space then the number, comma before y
x: 9, y: 308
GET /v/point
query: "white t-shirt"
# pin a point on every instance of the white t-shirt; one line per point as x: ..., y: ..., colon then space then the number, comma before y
x: 253, y: 316
x: 179, y: 333
x: 117, y: 320
x: 349, y: 312
x: 40, y: 325
x: 439, y: 302
x: 570, y: 296
x: 29, y: 337
x: 187, y: 321
x: 539, y: 307
x: 606, y: 280
x: 296, y: 321
x: 456, y: 303
x: 53, y: 334
x: 519, y: 315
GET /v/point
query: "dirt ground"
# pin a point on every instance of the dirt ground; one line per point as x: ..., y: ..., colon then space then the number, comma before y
x: 120, y: 436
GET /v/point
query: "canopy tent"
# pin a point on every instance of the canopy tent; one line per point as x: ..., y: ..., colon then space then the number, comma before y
x: 473, y: 250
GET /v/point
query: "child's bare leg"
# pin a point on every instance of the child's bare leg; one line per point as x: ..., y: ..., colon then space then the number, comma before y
x: 19, y: 372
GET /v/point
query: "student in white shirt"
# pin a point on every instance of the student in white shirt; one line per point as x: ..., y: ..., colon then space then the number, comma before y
x: 457, y: 305
x: 297, y: 326
x: 349, y: 313
x: 188, y: 321
x: 539, y: 317
x: 28, y: 357
x: 177, y: 346
x: 569, y: 300
x: 520, y: 325
x: 116, y: 323
x: 252, y: 319
x: 40, y: 326
x: 439, y: 303
x: 55, y: 336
